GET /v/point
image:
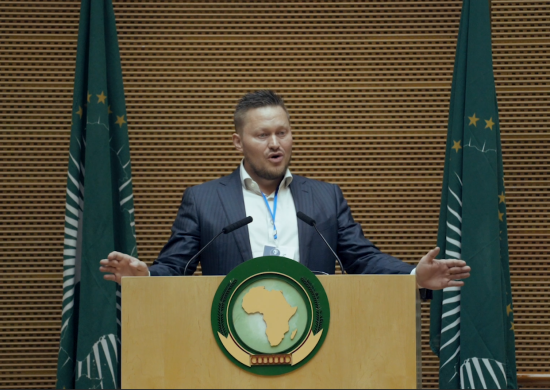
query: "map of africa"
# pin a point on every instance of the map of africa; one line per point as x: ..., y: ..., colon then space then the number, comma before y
x: 275, y: 309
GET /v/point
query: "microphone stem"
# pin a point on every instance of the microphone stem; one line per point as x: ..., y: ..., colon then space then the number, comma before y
x: 198, y: 254
x: 329, y: 247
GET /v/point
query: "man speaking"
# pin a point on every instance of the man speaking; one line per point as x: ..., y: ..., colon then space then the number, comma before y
x: 263, y: 187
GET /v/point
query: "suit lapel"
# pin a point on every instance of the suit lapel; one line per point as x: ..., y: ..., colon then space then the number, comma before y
x: 303, y: 200
x: 230, y: 193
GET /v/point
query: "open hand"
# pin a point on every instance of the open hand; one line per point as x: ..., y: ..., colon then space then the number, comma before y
x: 117, y: 265
x: 439, y: 274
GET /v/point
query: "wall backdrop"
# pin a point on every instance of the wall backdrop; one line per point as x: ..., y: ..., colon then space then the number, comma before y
x: 368, y: 87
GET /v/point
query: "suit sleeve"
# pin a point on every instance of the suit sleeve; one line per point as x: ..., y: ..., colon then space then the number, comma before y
x: 184, y: 242
x: 358, y: 254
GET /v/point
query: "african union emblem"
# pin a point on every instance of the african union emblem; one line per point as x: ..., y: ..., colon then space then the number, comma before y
x: 270, y: 315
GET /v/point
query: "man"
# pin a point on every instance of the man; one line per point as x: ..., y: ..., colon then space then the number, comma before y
x: 264, y: 188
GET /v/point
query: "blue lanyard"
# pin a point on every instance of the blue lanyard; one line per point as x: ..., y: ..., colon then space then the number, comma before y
x: 274, y: 212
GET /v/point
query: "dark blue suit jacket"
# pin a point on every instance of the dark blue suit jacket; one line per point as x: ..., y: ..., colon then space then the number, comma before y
x: 209, y: 207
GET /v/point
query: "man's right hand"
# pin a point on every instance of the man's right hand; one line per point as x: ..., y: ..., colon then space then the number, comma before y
x: 118, y: 265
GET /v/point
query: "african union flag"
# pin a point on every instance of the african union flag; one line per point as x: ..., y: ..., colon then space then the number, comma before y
x: 472, y: 328
x: 100, y: 208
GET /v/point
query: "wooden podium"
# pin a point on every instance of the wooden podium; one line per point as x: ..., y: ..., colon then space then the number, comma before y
x: 373, y: 341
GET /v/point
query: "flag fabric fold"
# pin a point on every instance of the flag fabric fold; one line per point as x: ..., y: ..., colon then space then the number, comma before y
x: 99, y: 215
x: 472, y: 328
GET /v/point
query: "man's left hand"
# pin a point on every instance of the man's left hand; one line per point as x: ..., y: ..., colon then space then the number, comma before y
x: 439, y: 274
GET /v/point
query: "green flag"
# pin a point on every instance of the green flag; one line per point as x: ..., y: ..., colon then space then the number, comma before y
x: 472, y: 328
x: 99, y: 216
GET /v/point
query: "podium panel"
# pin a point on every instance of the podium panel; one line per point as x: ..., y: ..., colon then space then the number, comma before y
x: 167, y: 339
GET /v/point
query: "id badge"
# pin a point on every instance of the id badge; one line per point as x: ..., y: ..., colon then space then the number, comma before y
x: 280, y: 251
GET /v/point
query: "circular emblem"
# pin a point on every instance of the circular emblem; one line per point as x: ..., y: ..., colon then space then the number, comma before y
x: 270, y: 315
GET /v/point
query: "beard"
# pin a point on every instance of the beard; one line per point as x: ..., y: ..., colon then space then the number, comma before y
x: 269, y: 174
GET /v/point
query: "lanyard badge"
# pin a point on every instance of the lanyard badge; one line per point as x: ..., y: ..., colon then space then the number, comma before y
x: 274, y: 212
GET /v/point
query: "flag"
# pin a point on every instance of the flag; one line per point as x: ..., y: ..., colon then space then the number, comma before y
x: 472, y: 328
x: 99, y: 215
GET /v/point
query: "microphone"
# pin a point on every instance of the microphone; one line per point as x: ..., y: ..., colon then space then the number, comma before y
x: 311, y: 222
x: 237, y: 225
x: 226, y: 230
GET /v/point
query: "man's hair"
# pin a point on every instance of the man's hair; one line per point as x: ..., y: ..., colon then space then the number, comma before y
x: 257, y: 99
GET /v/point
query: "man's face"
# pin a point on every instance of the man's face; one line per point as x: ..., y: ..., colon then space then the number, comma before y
x: 266, y: 142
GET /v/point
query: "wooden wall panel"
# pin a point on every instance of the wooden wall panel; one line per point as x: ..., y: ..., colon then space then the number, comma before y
x: 368, y: 87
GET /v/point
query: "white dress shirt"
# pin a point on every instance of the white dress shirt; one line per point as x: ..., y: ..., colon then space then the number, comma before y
x: 261, y: 231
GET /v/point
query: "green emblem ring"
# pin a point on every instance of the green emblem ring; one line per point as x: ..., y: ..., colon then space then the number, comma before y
x: 270, y: 315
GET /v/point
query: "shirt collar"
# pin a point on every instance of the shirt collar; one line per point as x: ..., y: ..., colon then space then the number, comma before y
x: 249, y: 184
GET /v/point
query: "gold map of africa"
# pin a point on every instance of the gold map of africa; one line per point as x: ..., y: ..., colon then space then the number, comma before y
x: 275, y: 309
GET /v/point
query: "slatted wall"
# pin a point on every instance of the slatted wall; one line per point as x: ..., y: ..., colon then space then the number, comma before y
x: 367, y: 84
